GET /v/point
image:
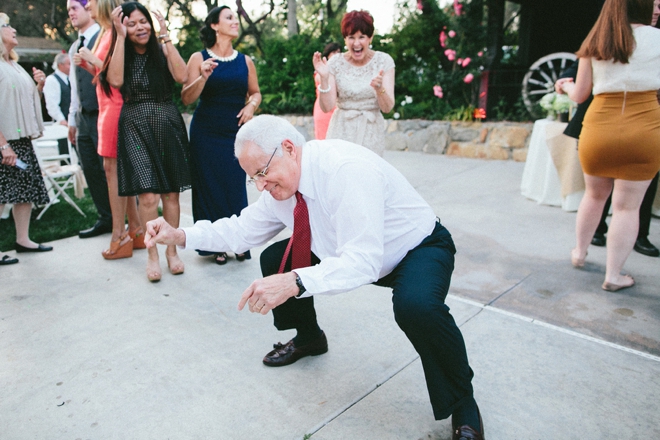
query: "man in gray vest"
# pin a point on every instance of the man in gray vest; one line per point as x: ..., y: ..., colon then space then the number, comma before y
x: 83, y: 115
x: 57, y: 93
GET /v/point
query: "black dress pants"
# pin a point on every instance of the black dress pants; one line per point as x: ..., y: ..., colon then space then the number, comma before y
x: 87, y: 140
x: 419, y: 286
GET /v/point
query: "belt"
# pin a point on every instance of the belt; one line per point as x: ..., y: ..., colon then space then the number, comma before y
x: 366, y: 116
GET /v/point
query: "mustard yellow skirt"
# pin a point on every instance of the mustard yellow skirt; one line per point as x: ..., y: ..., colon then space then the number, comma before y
x: 620, y: 136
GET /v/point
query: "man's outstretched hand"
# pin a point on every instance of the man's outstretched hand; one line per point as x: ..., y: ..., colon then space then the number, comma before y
x: 264, y: 294
x: 160, y: 232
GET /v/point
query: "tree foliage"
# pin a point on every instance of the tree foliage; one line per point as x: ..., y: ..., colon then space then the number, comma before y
x: 40, y: 18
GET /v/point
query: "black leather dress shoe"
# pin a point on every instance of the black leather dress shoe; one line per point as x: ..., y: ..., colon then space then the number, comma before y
x: 96, y: 230
x: 41, y: 248
x: 286, y: 354
x: 466, y: 432
x: 599, y: 239
x: 645, y: 247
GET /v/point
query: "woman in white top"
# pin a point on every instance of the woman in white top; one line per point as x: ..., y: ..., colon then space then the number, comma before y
x: 619, y: 145
x: 360, y: 83
x: 20, y: 176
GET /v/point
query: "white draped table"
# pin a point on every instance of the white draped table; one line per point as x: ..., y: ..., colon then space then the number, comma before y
x: 552, y: 174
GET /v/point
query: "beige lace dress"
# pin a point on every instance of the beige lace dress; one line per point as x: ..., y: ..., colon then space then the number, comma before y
x: 358, y: 118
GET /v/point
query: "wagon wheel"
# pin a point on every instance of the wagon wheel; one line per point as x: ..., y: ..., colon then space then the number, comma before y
x: 540, y: 79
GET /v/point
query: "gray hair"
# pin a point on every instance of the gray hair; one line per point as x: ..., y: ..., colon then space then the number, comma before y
x: 268, y: 132
x: 59, y: 59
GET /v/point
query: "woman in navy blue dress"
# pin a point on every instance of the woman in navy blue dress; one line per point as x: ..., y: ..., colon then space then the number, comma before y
x: 226, y: 83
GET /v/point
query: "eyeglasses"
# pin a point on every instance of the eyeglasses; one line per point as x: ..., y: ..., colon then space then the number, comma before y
x: 261, y: 174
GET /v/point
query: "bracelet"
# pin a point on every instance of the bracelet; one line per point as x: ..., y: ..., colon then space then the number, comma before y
x: 253, y: 103
x: 162, y: 37
x: 4, y: 147
x: 166, y: 41
x: 382, y: 91
x: 323, y: 90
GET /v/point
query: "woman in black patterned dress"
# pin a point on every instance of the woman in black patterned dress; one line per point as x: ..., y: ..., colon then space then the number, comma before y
x: 152, y: 150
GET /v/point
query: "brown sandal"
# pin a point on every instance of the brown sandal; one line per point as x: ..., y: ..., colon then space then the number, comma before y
x: 138, y: 238
x: 121, y: 248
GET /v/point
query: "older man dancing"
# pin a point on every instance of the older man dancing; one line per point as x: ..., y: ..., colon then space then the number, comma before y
x: 355, y: 220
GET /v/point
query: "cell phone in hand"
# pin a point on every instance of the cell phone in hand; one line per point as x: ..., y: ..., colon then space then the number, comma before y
x: 22, y: 165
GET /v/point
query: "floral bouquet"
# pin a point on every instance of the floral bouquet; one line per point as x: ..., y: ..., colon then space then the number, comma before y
x: 554, y: 104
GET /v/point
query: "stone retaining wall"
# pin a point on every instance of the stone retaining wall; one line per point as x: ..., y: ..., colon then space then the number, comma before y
x: 482, y: 140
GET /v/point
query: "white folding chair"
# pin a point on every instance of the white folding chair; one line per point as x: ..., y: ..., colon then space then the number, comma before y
x: 58, y: 176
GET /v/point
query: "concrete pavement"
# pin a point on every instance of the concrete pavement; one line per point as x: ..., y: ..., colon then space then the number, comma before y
x: 89, y: 349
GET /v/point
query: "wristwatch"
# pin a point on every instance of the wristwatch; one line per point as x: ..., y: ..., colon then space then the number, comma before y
x: 300, y: 286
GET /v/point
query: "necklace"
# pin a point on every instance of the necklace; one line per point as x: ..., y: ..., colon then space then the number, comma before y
x: 231, y: 57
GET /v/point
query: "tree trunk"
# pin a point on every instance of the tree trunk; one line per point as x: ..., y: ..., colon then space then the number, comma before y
x: 291, y: 18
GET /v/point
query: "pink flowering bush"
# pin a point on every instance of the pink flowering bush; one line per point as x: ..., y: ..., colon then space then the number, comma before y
x: 439, y: 54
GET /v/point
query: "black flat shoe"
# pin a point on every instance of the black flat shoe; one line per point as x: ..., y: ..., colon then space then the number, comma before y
x: 40, y: 248
x: 7, y: 260
x: 645, y: 247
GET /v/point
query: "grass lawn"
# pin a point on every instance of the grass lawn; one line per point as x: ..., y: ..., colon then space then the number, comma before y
x: 60, y: 221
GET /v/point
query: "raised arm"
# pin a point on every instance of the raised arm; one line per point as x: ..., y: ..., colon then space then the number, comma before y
x: 198, y: 72
x: 253, y: 95
x: 383, y: 84
x: 115, y: 73
x: 327, y: 86
x: 175, y: 63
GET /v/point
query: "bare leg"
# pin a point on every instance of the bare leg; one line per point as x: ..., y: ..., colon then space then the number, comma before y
x: 22, y: 213
x: 134, y: 223
x: 626, y: 199
x: 597, y: 191
x: 171, y: 214
x: 117, y: 204
x: 148, y: 209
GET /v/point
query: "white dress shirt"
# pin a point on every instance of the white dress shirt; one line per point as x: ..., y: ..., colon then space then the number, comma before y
x: 364, y: 217
x: 75, y: 101
x: 53, y: 95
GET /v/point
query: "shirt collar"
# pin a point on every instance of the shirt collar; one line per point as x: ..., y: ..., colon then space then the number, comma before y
x: 61, y: 74
x: 306, y: 183
x: 90, y: 32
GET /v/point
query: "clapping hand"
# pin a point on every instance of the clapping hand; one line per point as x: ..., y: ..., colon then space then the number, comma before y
x: 320, y: 64
x: 377, y: 82
x: 119, y: 21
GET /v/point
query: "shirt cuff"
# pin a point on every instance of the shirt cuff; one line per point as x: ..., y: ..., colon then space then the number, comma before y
x: 193, y: 238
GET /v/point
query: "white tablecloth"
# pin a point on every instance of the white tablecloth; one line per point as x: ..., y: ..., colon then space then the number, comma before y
x: 540, y: 180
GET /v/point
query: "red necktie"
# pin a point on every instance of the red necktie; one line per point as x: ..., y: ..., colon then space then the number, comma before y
x: 301, y: 240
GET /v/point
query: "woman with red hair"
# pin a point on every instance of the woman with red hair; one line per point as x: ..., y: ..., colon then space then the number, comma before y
x: 360, y: 83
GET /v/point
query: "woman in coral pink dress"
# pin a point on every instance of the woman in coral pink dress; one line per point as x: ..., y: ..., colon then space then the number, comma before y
x: 322, y: 119
x: 122, y: 242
